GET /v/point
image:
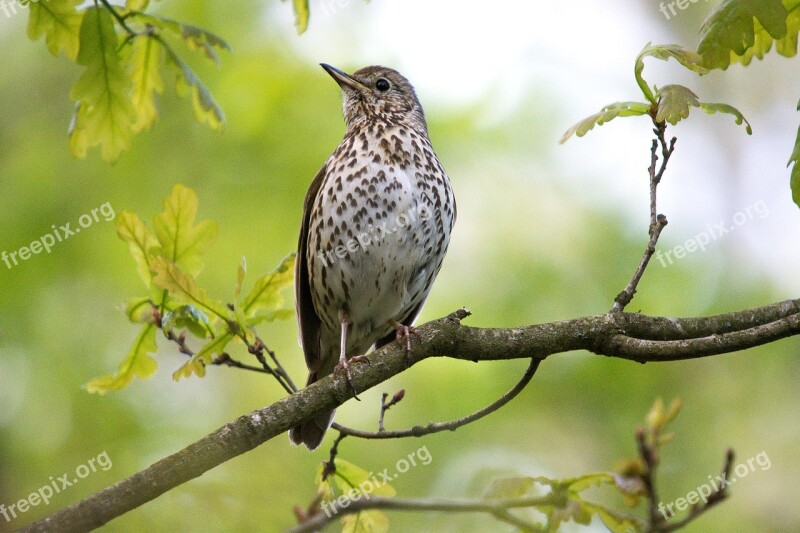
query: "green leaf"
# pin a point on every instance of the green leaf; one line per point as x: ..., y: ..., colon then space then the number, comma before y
x: 372, y: 521
x: 607, y: 114
x: 183, y: 287
x: 147, y: 58
x: 136, y: 5
x: 730, y: 110
x: 104, y: 113
x: 674, y: 102
x: 574, y: 507
x: 182, y: 242
x: 738, y: 30
x: 196, y: 38
x: 137, y: 363
x: 795, y: 160
x: 141, y: 243
x: 508, y: 487
x: 240, y: 273
x: 187, y: 317
x: 656, y: 417
x: 354, y: 482
x: 301, y: 14
x: 265, y: 298
x: 351, y: 479
x: 139, y: 310
x: 196, y: 365
x: 60, y: 22
x: 206, y: 109
x: 687, y: 58
x: 614, y: 520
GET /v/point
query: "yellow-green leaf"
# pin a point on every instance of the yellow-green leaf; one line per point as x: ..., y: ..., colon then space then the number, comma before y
x: 60, y: 22
x: 141, y: 243
x: 712, y: 108
x: 301, y: 15
x: 607, y: 114
x: 674, y: 102
x: 508, y: 487
x: 687, y: 58
x: 206, y: 109
x: 182, y: 242
x: 183, y: 287
x: 240, y: 273
x: 137, y: 363
x: 204, y: 357
x: 104, y: 113
x: 655, y: 416
x: 136, y: 5
x: 147, y: 58
x: 196, y: 38
x: 372, y: 521
x: 614, y: 520
x: 265, y: 297
x: 139, y: 310
x: 350, y: 479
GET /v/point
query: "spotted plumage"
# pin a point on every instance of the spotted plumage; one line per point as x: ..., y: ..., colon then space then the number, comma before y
x: 376, y: 224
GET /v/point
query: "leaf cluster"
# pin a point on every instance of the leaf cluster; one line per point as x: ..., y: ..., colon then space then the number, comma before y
x: 168, y: 261
x: 127, y: 56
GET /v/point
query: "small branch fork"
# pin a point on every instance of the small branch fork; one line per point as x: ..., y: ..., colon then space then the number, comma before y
x: 452, y: 425
x: 657, y: 221
x: 257, y: 348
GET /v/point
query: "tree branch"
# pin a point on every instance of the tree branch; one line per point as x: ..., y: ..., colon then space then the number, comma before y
x: 497, y: 507
x: 452, y: 425
x: 629, y: 336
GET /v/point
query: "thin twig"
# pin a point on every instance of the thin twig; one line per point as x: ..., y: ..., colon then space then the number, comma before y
x: 650, y: 459
x: 436, y: 427
x: 385, y: 406
x: 118, y: 17
x: 224, y: 359
x: 278, y: 366
x: 329, y: 467
x: 657, y: 221
x: 697, y: 510
x: 496, y: 507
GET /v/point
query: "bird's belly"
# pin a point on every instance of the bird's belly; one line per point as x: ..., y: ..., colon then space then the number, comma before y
x: 377, y: 236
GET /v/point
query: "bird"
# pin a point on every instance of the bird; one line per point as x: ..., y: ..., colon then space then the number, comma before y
x: 376, y: 225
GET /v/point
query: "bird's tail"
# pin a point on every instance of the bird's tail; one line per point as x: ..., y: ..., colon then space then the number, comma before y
x: 312, y: 432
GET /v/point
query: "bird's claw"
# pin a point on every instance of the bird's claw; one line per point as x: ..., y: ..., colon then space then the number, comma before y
x: 344, y: 364
x: 403, y: 336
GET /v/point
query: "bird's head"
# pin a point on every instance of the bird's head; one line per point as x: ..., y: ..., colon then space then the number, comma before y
x: 378, y: 93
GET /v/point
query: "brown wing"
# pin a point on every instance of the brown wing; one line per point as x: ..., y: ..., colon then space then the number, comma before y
x: 308, y: 321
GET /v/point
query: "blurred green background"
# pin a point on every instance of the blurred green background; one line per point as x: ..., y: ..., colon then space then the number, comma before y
x: 545, y: 232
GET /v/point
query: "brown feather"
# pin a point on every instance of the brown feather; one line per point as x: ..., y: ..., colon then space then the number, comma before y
x: 307, y: 318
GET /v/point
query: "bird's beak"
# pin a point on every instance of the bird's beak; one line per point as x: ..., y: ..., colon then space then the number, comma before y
x: 345, y: 81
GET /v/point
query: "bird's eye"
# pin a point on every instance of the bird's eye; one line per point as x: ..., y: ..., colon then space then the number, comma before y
x: 382, y: 85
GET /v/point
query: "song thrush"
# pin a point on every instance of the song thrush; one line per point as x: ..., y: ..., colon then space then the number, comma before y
x: 376, y: 225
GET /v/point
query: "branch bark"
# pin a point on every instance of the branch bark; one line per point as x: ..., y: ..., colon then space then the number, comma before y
x: 629, y: 336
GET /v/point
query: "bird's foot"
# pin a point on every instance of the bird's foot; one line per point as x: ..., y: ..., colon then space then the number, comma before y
x: 403, y: 336
x: 344, y: 365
